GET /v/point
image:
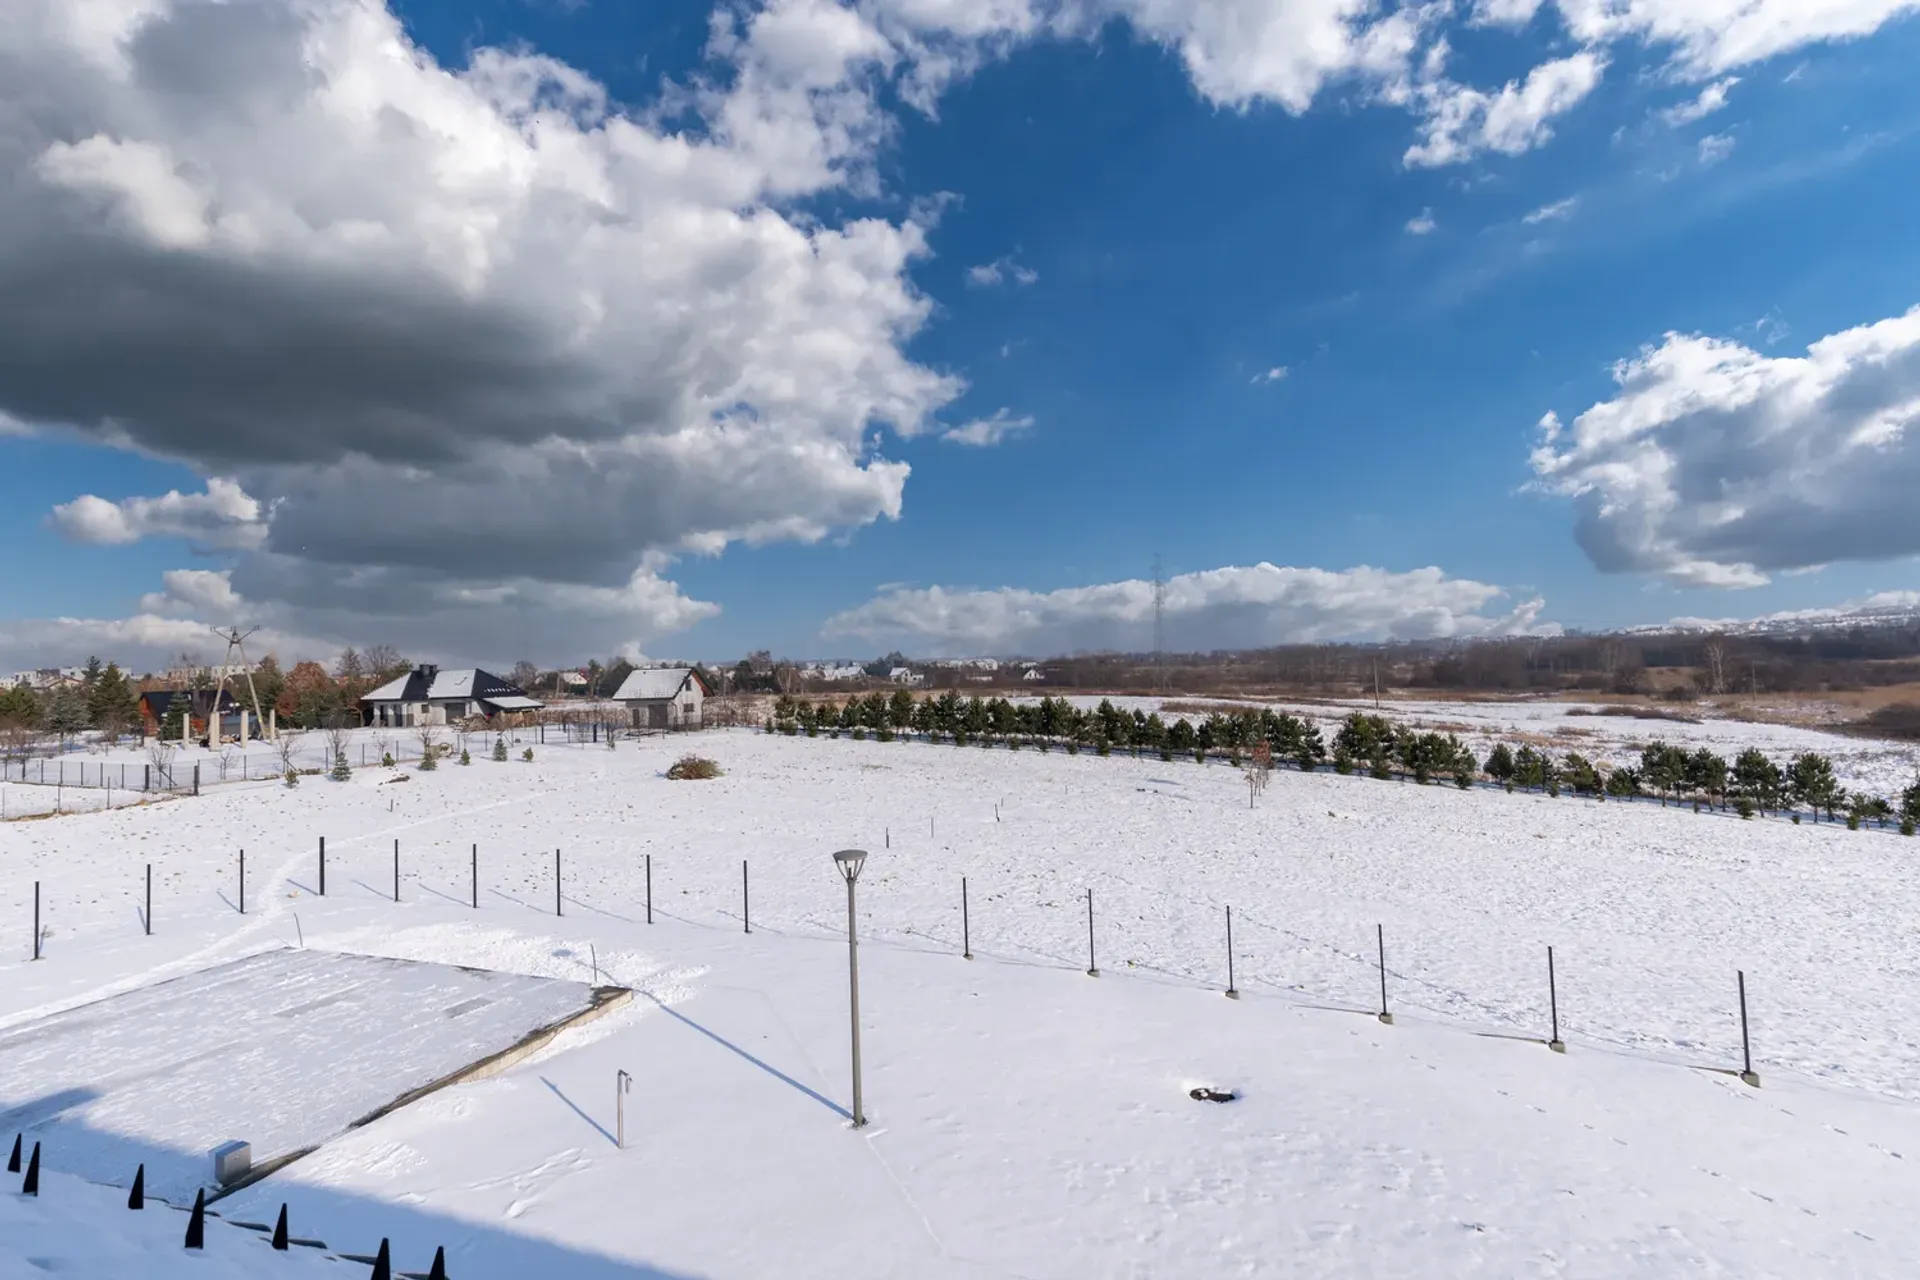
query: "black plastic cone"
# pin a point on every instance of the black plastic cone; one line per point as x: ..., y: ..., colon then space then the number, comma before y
x: 137, y: 1198
x: 280, y: 1231
x: 197, y: 1224
x: 31, y: 1187
x: 383, y: 1263
x: 439, y: 1271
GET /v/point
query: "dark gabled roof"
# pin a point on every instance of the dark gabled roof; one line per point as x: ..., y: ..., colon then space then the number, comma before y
x: 435, y: 684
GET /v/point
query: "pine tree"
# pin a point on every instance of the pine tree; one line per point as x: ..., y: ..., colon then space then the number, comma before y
x: 465, y: 758
x: 1500, y: 763
x: 341, y: 771
x: 500, y: 748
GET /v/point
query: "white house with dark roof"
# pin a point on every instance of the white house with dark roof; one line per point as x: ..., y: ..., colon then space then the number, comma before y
x: 663, y: 697
x: 427, y: 695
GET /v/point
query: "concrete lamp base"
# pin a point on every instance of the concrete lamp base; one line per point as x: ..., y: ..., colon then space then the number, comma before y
x: 1232, y: 994
x: 1558, y: 1046
x: 1093, y: 973
x: 1750, y: 1077
x: 1385, y: 1017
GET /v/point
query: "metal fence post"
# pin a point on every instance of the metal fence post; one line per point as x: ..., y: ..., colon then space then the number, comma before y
x: 476, y: 877
x: 1553, y: 1003
x: 1093, y: 969
x: 622, y: 1084
x: 1233, y: 992
x: 966, y: 929
x: 1380, y: 934
x: 1747, y: 1072
x: 746, y: 918
x: 36, y: 919
x: 556, y: 883
x: 149, y: 899
x: 243, y: 882
x: 396, y: 871
x: 649, y: 888
x: 323, y: 866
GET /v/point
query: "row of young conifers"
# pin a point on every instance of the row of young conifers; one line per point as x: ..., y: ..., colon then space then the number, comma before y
x: 1752, y: 783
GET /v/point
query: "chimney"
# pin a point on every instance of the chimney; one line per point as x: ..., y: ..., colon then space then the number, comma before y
x: 428, y: 671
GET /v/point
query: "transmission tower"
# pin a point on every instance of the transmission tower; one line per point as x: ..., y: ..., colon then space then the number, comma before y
x: 1159, y: 627
x: 236, y: 643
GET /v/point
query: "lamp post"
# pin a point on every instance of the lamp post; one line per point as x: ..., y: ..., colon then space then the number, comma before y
x: 849, y: 861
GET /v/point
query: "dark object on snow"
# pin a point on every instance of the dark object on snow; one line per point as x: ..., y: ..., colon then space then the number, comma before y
x: 439, y: 1271
x: 383, y: 1263
x: 137, y: 1198
x: 197, y: 1224
x: 13, y: 1161
x: 1211, y: 1095
x: 280, y: 1230
x: 31, y: 1187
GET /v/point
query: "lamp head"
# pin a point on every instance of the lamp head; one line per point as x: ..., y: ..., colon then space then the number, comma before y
x: 850, y: 861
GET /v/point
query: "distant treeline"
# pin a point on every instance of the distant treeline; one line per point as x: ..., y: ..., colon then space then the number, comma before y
x: 1753, y: 783
x: 1677, y: 665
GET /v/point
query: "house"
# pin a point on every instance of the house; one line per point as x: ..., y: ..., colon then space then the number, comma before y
x: 1034, y: 675
x: 905, y: 675
x: 427, y: 695
x: 664, y: 697
x: 158, y: 706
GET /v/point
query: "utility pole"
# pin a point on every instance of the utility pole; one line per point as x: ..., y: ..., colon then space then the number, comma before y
x: 236, y: 643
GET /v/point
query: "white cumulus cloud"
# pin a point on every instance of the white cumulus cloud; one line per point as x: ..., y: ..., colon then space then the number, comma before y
x: 1001, y: 271
x: 1716, y: 465
x: 1705, y: 103
x: 1233, y: 607
x: 1462, y: 121
x: 222, y: 517
x: 991, y: 430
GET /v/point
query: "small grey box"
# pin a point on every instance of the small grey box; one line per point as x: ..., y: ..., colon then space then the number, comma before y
x: 231, y: 1162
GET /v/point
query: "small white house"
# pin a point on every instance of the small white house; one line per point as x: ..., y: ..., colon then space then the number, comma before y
x: 1033, y: 675
x: 427, y: 695
x: 663, y: 697
x: 905, y: 675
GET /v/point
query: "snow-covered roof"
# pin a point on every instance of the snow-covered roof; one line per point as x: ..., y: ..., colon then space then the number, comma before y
x: 652, y: 684
x: 431, y: 684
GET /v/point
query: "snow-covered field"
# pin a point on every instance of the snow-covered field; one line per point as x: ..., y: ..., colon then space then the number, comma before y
x: 1029, y: 1120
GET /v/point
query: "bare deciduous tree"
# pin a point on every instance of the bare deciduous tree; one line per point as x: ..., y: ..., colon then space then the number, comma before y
x: 285, y: 746
x: 1715, y: 652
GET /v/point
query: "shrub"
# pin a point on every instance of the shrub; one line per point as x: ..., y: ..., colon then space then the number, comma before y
x: 465, y: 758
x: 386, y: 758
x: 500, y: 748
x: 527, y: 755
x: 293, y: 777
x: 859, y: 734
x: 1102, y: 747
x: 431, y: 760
x: 693, y: 767
x: 1853, y: 821
x: 1906, y: 826
x: 1342, y: 762
x: 1381, y: 766
x: 883, y: 733
x: 341, y: 769
x: 1199, y: 755
x: 1796, y: 818
x: 1744, y: 807
x: 1166, y: 754
x: 1463, y: 779
x: 1073, y: 746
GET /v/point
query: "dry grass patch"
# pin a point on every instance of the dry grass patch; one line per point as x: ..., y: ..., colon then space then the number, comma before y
x: 693, y: 767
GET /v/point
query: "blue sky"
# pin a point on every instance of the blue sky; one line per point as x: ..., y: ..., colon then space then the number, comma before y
x: 1242, y: 334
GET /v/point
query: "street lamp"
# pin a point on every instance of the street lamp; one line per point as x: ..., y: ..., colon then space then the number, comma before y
x: 849, y: 861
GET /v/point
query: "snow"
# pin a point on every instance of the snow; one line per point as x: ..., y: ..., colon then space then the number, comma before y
x: 1029, y: 1120
x: 650, y: 684
x: 227, y: 1052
